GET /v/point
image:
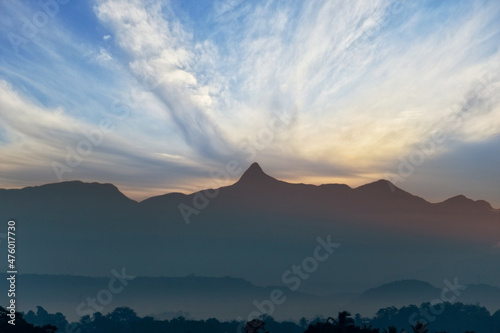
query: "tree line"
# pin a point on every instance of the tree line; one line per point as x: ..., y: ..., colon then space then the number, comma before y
x: 456, y: 318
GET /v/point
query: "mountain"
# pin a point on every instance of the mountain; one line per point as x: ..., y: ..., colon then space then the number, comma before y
x: 484, y: 294
x: 405, y: 292
x: 258, y: 228
x: 198, y: 297
x: 398, y: 294
x: 460, y: 203
x: 255, y: 177
x: 225, y: 298
x: 74, y: 192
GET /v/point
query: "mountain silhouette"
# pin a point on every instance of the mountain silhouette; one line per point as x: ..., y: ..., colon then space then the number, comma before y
x: 202, y: 297
x: 405, y: 292
x: 255, y: 182
x: 399, y: 293
x: 462, y: 203
x: 255, y: 175
x: 256, y: 228
x: 227, y: 297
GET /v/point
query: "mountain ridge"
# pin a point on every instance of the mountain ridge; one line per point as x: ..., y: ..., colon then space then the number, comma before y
x: 257, y: 229
x: 255, y: 177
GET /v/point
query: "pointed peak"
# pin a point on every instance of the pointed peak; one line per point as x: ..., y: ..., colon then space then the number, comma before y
x: 253, y: 171
x: 255, y: 167
x: 254, y: 174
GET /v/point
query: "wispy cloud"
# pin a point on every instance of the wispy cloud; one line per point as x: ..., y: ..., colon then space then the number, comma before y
x: 103, y: 55
x: 367, y: 80
x: 163, y: 54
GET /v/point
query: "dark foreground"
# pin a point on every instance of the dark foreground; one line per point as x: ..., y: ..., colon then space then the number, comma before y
x: 450, y: 318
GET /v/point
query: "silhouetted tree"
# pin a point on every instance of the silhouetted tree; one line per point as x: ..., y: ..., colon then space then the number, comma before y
x: 344, y: 322
x: 496, y: 319
x: 393, y: 329
x: 42, y: 318
x: 255, y: 326
x: 122, y: 316
x: 21, y: 325
x: 420, y: 327
x: 457, y: 318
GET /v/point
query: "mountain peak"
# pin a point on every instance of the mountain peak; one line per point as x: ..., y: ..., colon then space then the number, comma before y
x: 254, y: 174
x: 255, y: 168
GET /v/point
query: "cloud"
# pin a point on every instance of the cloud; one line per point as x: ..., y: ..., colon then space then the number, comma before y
x: 366, y: 81
x: 103, y: 56
x: 38, y: 136
x: 366, y: 87
x: 162, y: 59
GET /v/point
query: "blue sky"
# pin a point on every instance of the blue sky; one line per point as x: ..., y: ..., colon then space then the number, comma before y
x: 361, y: 88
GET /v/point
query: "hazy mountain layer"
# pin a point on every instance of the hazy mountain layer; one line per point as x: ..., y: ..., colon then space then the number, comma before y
x: 261, y: 229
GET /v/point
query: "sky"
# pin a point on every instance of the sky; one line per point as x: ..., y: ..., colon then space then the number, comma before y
x: 164, y: 96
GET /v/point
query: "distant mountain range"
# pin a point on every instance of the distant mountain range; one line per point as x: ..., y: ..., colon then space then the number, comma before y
x: 193, y: 297
x: 405, y: 292
x: 224, y: 298
x: 258, y: 228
